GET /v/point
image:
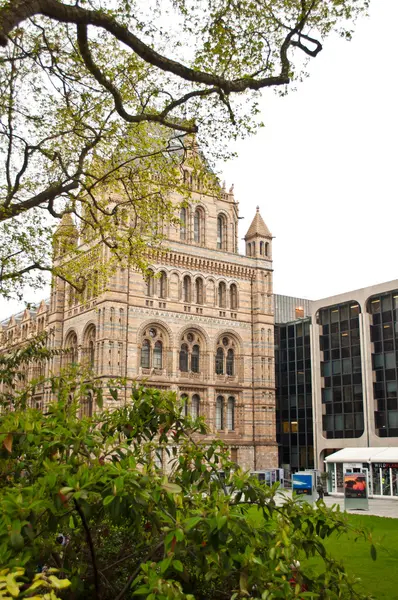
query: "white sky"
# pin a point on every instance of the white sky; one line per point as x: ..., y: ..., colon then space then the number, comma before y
x: 323, y: 169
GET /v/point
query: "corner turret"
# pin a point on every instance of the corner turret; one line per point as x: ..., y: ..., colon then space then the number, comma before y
x: 258, y: 238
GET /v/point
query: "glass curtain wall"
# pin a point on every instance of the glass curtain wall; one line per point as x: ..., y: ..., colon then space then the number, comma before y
x: 341, y: 371
x: 383, y: 311
x: 294, y: 395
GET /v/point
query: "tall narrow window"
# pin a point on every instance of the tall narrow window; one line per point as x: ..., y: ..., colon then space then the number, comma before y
x: 261, y: 248
x: 145, y: 354
x: 195, y: 359
x: 233, y: 292
x: 231, y: 414
x: 220, y: 412
x: 149, y: 283
x: 221, y: 241
x: 220, y: 361
x: 163, y: 285
x: 233, y: 237
x: 195, y: 403
x: 184, y: 358
x: 91, y: 353
x: 266, y: 248
x: 199, y: 290
x: 157, y: 355
x: 249, y: 249
x: 187, y: 289
x: 185, y: 406
x: 222, y: 294
x: 230, y: 362
x: 183, y: 225
x: 198, y: 226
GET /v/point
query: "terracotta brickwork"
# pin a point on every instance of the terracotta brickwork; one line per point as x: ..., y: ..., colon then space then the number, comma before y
x: 202, y: 326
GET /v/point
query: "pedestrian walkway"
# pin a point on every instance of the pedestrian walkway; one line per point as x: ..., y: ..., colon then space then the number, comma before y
x: 378, y: 507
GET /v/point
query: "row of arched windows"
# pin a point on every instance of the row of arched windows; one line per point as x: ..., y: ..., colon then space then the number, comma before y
x: 191, y: 293
x: 189, y: 358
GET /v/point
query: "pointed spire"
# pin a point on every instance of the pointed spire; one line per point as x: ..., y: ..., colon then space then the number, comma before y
x: 258, y: 227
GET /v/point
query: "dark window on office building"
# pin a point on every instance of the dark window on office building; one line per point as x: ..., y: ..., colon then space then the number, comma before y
x: 341, y: 371
x: 384, y: 337
x: 294, y: 395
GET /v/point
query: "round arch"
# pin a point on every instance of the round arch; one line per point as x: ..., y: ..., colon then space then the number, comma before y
x: 235, y: 336
x: 197, y: 328
x: 155, y: 323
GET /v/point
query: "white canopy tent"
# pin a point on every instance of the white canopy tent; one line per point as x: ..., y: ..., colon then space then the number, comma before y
x: 381, y: 464
x: 364, y: 455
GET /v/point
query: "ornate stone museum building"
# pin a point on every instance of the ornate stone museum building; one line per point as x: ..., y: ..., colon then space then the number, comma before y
x: 202, y: 325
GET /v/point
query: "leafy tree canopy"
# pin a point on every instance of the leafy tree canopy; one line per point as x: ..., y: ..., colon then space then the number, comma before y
x: 85, y: 502
x: 101, y: 103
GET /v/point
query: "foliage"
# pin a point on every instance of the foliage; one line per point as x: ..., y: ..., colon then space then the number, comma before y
x: 44, y: 585
x: 100, y: 103
x: 87, y: 496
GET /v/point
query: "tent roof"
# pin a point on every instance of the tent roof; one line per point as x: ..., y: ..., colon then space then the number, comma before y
x: 372, y: 455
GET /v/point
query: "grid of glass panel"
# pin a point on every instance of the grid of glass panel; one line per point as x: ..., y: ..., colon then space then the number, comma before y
x: 384, y: 335
x: 341, y: 371
x: 294, y: 395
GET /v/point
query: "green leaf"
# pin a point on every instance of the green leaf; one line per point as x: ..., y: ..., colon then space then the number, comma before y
x: 114, y: 393
x: 373, y: 552
x: 171, y: 488
x: 60, y: 584
x: 100, y: 398
x: 16, y: 540
x: 107, y: 500
x: 178, y: 566
x: 191, y: 523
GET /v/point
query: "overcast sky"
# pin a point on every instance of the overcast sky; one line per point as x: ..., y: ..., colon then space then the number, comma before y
x: 324, y: 168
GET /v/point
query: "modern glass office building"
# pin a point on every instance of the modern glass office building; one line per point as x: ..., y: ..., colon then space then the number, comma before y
x: 336, y: 365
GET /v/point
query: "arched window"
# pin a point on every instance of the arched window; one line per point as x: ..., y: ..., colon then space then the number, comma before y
x: 149, y: 284
x: 198, y: 226
x: 195, y: 404
x: 230, y: 362
x: 220, y: 412
x: 253, y: 248
x: 183, y: 225
x: 195, y: 359
x: 187, y: 288
x: 199, y: 290
x: 233, y: 238
x: 146, y: 354
x: 221, y: 233
x: 233, y: 293
x: 261, y: 248
x: 231, y: 414
x: 225, y: 356
x: 163, y: 285
x: 184, y: 358
x: 185, y: 406
x: 190, y: 352
x: 249, y: 249
x: 71, y: 345
x: 222, y: 295
x: 266, y: 248
x: 158, y: 355
x: 220, y: 361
